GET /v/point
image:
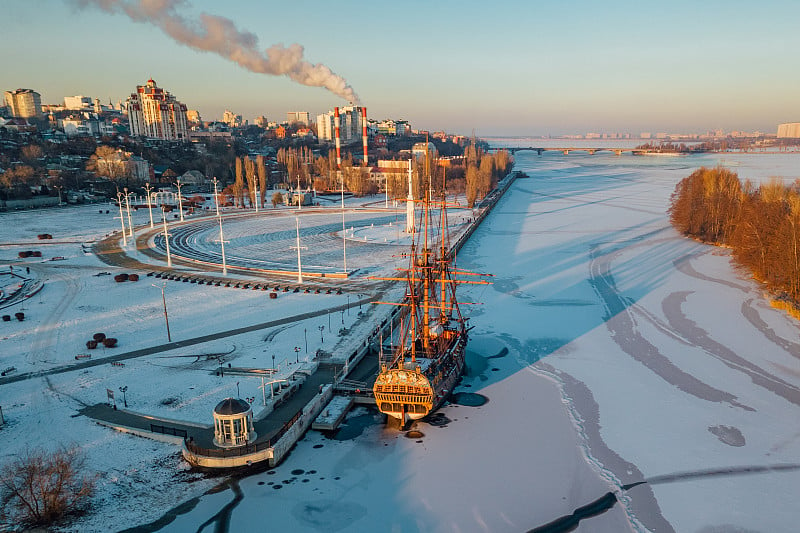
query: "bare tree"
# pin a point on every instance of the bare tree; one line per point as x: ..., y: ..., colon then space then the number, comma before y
x: 250, y: 174
x: 238, y: 185
x: 472, y: 184
x: 262, y: 178
x: 40, y: 487
x: 112, y: 163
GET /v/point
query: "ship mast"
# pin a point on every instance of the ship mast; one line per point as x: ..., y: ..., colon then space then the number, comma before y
x: 443, y: 251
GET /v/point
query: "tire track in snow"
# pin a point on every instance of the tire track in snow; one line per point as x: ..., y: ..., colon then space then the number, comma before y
x: 672, y: 306
x: 683, y: 264
x: 752, y: 316
x: 585, y: 412
x: 47, y: 332
x: 622, y: 325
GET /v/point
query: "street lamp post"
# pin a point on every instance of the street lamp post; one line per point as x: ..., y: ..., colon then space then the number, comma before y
x: 130, y: 220
x: 348, y: 305
x: 296, y: 354
x: 166, y: 236
x: 164, y: 301
x: 148, y: 188
x: 216, y: 195
x: 299, y: 264
x: 180, y: 199
x: 305, y: 337
x: 59, y: 187
x: 123, y: 390
x: 222, y: 243
x: 321, y: 337
x: 122, y: 219
x: 344, y: 230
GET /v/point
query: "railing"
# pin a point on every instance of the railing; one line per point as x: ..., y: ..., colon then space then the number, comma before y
x: 239, y: 451
x: 166, y: 430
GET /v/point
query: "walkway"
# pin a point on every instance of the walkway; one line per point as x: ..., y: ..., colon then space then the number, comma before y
x: 265, y: 428
x: 179, y: 344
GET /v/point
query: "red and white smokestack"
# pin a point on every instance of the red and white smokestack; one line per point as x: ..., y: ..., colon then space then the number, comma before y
x: 364, y: 133
x: 338, y: 139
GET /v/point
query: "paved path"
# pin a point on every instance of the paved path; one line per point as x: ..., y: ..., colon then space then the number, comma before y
x: 121, y: 417
x: 179, y: 344
x: 265, y: 428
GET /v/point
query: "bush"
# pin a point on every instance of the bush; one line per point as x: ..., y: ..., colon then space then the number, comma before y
x: 26, y: 253
x: 99, y: 337
x: 39, y: 488
x: 6, y: 318
x: 133, y: 277
x: 119, y: 278
x: 19, y: 315
x: 91, y: 344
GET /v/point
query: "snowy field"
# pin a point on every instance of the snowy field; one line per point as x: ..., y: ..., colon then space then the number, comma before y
x: 608, y: 351
x: 80, y: 298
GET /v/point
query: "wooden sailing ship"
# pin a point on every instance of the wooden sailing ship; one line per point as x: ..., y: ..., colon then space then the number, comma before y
x: 426, y: 361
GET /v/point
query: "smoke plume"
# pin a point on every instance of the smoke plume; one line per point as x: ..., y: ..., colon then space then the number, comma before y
x: 219, y: 35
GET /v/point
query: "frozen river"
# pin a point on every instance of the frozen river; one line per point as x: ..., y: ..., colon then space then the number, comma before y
x: 611, y: 352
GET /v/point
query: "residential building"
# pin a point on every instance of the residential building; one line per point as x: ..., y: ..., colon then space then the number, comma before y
x: 24, y: 103
x: 125, y: 164
x: 210, y: 135
x: 86, y: 123
x: 261, y: 122
x: 396, y: 128
x: 301, y: 117
x: 75, y: 103
x: 349, y: 125
x: 420, y: 149
x: 155, y: 113
x: 193, y: 116
x: 789, y: 130
x: 232, y: 119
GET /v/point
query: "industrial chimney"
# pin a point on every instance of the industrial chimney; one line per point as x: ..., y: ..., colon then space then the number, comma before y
x: 338, y: 139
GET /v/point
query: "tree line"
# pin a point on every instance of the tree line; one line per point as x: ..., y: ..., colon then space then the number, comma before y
x: 761, y: 224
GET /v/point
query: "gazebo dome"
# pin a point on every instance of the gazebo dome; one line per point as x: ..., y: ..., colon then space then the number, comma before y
x: 233, y: 423
x: 231, y: 406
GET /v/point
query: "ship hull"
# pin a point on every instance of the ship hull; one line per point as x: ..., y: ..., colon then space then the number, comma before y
x: 411, y: 395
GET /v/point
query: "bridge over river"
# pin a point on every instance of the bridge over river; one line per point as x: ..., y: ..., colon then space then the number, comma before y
x: 566, y: 150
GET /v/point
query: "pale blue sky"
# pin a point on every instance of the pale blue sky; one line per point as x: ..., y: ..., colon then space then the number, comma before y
x: 501, y: 68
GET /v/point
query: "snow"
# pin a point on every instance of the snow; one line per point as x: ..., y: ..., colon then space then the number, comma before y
x: 610, y: 349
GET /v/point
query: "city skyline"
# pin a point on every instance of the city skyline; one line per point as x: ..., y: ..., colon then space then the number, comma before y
x: 515, y: 69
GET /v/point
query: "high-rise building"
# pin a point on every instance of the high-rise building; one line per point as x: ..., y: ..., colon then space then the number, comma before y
x: 79, y: 102
x: 300, y: 117
x: 24, y: 103
x: 193, y: 115
x: 155, y: 113
x: 789, y: 130
x: 349, y: 125
x: 232, y: 119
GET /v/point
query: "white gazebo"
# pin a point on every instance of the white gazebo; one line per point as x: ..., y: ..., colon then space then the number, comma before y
x: 233, y: 423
